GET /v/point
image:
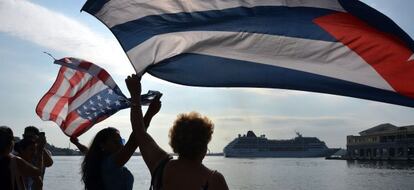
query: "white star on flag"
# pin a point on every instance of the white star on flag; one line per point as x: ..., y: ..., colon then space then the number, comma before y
x: 107, y: 101
x: 117, y: 103
x: 99, y: 97
x: 110, y: 91
x: 91, y: 102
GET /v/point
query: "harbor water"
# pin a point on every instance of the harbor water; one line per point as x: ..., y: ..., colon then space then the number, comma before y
x: 264, y: 174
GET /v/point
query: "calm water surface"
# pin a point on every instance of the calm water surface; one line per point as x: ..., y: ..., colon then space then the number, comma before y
x: 268, y: 173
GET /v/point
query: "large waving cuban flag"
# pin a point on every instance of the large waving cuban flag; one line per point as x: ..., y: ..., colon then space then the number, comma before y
x: 341, y: 47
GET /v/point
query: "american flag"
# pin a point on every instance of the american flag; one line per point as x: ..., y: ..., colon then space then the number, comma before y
x: 82, y: 95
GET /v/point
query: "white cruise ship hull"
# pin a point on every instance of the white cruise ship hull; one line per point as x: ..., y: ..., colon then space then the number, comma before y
x: 251, y: 153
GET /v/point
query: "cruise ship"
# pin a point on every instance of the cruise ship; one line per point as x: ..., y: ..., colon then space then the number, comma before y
x: 250, y: 145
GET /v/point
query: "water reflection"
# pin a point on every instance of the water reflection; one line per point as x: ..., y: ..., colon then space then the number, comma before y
x: 393, y: 165
x: 265, y: 174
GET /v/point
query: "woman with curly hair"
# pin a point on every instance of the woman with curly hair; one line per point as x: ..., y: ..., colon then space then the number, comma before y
x: 189, y: 138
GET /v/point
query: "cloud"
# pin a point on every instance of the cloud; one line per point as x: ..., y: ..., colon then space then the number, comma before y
x: 55, y: 31
x: 285, y: 120
x: 276, y: 93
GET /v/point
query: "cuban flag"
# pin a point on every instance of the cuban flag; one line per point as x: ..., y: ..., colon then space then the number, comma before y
x: 341, y: 47
x: 82, y: 95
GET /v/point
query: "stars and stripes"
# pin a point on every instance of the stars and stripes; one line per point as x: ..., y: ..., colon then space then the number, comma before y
x: 82, y: 95
x: 341, y: 47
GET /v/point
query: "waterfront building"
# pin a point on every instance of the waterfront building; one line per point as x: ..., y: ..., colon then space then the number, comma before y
x: 382, y: 142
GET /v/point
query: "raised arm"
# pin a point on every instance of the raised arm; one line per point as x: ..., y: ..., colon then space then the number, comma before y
x: 131, y: 145
x: 82, y: 148
x: 122, y: 157
x: 27, y: 169
x: 47, y: 156
x: 151, y: 152
x: 152, y: 110
x: 134, y: 87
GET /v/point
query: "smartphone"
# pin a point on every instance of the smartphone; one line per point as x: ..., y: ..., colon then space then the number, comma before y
x: 147, y: 98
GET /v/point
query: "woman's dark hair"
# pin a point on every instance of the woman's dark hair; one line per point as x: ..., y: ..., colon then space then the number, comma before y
x: 190, y: 135
x: 30, y: 130
x: 23, y: 144
x: 92, y: 163
x: 6, y: 140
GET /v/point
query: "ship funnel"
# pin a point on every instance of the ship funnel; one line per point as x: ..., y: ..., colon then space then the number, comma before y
x: 250, y: 134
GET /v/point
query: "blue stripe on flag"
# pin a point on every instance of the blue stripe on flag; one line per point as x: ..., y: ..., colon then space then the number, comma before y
x: 274, y: 20
x: 214, y: 71
x: 94, y: 6
x: 376, y: 19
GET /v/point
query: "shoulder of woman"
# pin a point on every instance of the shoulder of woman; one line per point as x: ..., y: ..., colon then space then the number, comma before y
x: 217, y: 176
x: 166, y: 165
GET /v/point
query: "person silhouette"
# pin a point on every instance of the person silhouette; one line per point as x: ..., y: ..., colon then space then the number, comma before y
x: 104, y: 164
x: 189, y: 138
x: 13, y: 168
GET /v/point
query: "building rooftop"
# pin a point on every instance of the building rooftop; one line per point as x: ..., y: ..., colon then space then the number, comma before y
x: 409, y: 127
x: 379, y: 128
x: 385, y: 128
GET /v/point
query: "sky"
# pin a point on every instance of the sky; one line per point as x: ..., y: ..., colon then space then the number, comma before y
x: 28, y: 28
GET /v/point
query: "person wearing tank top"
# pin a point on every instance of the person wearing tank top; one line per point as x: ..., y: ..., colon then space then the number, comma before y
x: 189, y: 137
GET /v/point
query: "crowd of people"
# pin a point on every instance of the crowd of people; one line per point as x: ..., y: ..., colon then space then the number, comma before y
x: 22, y: 164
